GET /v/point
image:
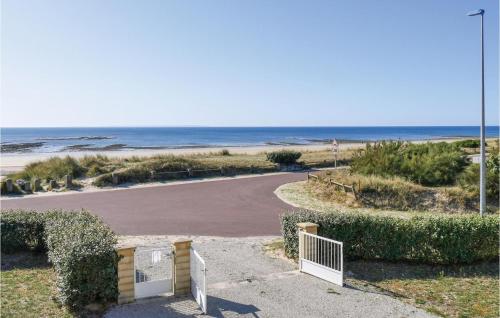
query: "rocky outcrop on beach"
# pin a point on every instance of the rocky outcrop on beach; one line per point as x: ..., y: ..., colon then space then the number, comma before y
x: 20, y: 147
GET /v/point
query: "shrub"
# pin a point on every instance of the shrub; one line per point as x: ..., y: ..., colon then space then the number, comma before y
x: 22, y: 230
x: 79, y: 245
x: 286, y: 157
x: 468, y: 143
x: 82, y: 249
x: 422, y: 239
x: 54, y: 168
x: 224, y: 152
x: 427, y: 164
x: 469, y: 179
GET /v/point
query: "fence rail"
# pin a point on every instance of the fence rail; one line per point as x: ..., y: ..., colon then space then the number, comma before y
x: 331, y: 182
x: 321, y: 257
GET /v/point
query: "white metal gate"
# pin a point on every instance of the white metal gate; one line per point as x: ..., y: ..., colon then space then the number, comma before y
x: 199, y: 280
x: 153, y: 271
x: 321, y: 257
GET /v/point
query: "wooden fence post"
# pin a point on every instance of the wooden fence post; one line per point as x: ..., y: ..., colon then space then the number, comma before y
x: 68, y: 181
x: 37, y: 185
x: 9, y: 185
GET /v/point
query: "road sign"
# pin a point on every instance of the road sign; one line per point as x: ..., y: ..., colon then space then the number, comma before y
x: 335, y: 145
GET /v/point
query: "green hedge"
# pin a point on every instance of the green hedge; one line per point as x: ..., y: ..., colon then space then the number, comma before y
x: 22, y: 230
x: 79, y: 245
x: 422, y: 239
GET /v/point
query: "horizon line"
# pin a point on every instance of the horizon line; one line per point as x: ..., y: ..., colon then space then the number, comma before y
x: 249, y: 126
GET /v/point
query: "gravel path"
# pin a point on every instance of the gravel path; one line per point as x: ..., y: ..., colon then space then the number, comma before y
x: 244, y: 281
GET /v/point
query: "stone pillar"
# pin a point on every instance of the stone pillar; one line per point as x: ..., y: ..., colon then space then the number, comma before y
x: 126, y: 272
x: 114, y: 178
x: 306, y: 227
x: 68, y: 181
x: 37, y: 186
x: 9, y: 186
x: 182, y: 267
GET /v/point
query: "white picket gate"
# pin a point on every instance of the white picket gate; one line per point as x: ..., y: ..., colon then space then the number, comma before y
x: 199, y: 280
x: 153, y: 271
x: 321, y: 257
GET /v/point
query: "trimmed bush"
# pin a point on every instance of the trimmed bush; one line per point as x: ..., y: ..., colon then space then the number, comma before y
x: 285, y: 157
x: 79, y: 245
x: 421, y: 239
x: 430, y: 164
x: 22, y: 231
x: 82, y: 249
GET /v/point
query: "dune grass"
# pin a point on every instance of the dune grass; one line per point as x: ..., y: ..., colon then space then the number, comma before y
x: 138, y: 169
x: 391, y: 193
x: 52, y: 168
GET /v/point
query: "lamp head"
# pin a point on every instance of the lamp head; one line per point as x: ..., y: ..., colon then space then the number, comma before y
x: 476, y: 12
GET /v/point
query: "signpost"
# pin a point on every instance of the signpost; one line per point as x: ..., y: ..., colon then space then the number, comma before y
x: 335, y: 149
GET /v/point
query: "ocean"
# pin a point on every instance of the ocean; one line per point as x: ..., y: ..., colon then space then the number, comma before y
x: 52, y: 140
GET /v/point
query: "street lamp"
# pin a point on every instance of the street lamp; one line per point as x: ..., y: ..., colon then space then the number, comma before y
x: 482, y: 178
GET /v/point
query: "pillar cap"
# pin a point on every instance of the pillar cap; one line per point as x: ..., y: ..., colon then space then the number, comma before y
x: 183, y: 241
x: 125, y: 247
x: 305, y: 225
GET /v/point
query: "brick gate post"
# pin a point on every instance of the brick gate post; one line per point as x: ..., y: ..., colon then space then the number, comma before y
x: 126, y: 273
x: 182, y: 267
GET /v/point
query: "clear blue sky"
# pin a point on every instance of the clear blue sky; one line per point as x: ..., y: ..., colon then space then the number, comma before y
x: 246, y: 63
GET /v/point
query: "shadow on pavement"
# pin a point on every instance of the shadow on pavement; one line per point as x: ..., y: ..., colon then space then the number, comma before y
x: 217, y: 307
x: 180, y: 307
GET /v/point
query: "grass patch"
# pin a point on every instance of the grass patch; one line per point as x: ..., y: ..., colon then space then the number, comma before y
x: 448, y: 291
x: 28, y: 287
x: 299, y: 195
x: 391, y: 193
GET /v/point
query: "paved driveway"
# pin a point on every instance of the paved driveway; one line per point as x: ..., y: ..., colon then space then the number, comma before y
x: 245, y: 282
x: 229, y: 207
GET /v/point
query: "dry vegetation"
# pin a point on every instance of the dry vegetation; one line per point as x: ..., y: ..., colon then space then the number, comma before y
x: 391, y: 193
x: 163, y: 167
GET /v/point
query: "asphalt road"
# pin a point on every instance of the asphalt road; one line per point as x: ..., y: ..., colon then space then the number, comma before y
x: 230, y: 207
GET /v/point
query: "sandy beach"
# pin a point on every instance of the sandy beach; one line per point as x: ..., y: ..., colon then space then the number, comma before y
x: 12, y: 162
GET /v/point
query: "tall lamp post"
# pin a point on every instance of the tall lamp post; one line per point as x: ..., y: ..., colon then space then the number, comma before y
x: 482, y: 181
